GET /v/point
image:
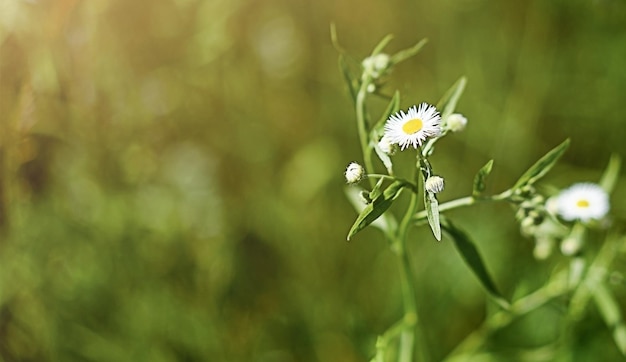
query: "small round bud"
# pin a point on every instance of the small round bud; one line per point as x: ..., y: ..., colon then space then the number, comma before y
x: 354, y: 173
x: 571, y: 246
x: 528, y: 227
x: 527, y: 205
x: 386, y: 146
x: 434, y: 184
x: 552, y: 205
x: 527, y: 223
x: 538, y: 199
x: 456, y: 122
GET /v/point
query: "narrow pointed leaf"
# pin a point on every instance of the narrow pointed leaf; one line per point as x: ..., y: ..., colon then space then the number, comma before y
x: 334, y: 39
x: 386, y: 222
x: 472, y: 258
x: 378, y: 206
x: 386, y: 160
x: 382, y: 44
x: 448, y: 102
x: 611, y: 174
x: 432, y: 212
x: 610, y: 311
x: 479, y: 179
x: 407, y: 53
x: 393, y: 107
x: 377, y: 189
x: 542, y: 166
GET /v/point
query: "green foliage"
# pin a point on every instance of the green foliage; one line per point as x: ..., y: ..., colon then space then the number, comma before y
x: 542, y: 166
x: 467, y: 248
x: 479, y: 179
x: 448, y: 102
x: 611, y: 174
x: 380, y: 203
x: 171, y: 179
x: 432, y: 211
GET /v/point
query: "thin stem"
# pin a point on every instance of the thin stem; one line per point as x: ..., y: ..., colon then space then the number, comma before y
x: 392, y: 178
x: 407, y: 338
x: 383, y: 341
x: 362, y: 125
x: 557, y: 287
x: 464, y: 201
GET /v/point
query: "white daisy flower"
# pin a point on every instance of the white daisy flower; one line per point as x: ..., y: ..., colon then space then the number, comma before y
x: 354, y: 173
x: 414, y: 127
x: 582, y: 201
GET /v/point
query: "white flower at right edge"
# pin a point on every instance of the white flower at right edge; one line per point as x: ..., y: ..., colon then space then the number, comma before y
x: 582, y: 201
x: 414, y: 127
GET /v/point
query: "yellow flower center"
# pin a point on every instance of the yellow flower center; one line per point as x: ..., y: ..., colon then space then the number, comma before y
x: 582, y: 203
x: 412, y: 126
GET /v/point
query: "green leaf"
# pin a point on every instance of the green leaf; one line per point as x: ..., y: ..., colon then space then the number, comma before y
x: 376, y: 191
x: 387, y: 223
x: 382, y: 44
x: 448, y: 102
x: 479, y: 179
x: 611, y: 174
x: 432, y: 211
x: 343, y: 65
x: 334, y: 39
x: 386, y: 160
x: 407, y: 53
x: 542, y: 166
x: 378, y: 131
x: 472, y: 257
x: 378, y: 206
x: 610, y: 311
x: 393, y: 107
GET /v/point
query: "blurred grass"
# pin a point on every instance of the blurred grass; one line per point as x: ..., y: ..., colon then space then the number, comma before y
x: 171, y: 185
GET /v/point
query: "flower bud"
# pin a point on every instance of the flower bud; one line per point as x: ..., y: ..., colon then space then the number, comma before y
x: 376, y: 65
x: 354, y: 173
x: 571, y: 246
x: 434, y: 184
x: 456, y: 122
x: 386, y: 146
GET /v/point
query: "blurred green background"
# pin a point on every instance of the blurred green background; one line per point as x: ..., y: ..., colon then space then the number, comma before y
x: 172, y: 172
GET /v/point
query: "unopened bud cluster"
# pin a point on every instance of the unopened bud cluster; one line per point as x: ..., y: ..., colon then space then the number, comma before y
x: 376, y: 65
x: 531, y: 213
x: 375, y: 68
x: 535, y: 221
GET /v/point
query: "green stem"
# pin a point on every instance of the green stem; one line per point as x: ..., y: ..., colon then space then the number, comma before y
x: 361, y: 121
x: 557, y: 287
x: 410, y: 319
x: 464, y: 201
